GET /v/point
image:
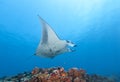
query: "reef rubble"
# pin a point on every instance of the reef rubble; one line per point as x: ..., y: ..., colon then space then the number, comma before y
x: 57, y: 74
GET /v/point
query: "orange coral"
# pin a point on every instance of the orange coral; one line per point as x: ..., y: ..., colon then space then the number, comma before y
x: 35, y: 70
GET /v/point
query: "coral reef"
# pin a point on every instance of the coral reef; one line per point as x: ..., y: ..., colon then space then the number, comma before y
x: 57, y: 74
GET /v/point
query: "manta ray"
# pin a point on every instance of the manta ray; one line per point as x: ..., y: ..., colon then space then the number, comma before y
x: 50, y: 45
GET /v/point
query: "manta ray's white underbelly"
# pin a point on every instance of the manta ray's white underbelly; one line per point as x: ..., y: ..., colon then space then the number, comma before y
x: 51, y: 50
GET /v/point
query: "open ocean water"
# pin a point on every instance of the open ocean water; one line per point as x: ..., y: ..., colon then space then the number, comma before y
x: 94, y: 25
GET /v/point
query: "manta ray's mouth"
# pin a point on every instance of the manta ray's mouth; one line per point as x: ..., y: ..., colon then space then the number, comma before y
x: 71, y: 44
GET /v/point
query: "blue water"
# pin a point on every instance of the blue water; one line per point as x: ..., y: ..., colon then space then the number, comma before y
x: 94, y: 25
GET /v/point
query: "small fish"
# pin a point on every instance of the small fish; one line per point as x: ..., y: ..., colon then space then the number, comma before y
x: 50, y: 45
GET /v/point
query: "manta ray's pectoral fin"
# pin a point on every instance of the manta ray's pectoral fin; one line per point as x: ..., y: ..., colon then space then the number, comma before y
x: 44, y: 37
x: 48, y: 35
